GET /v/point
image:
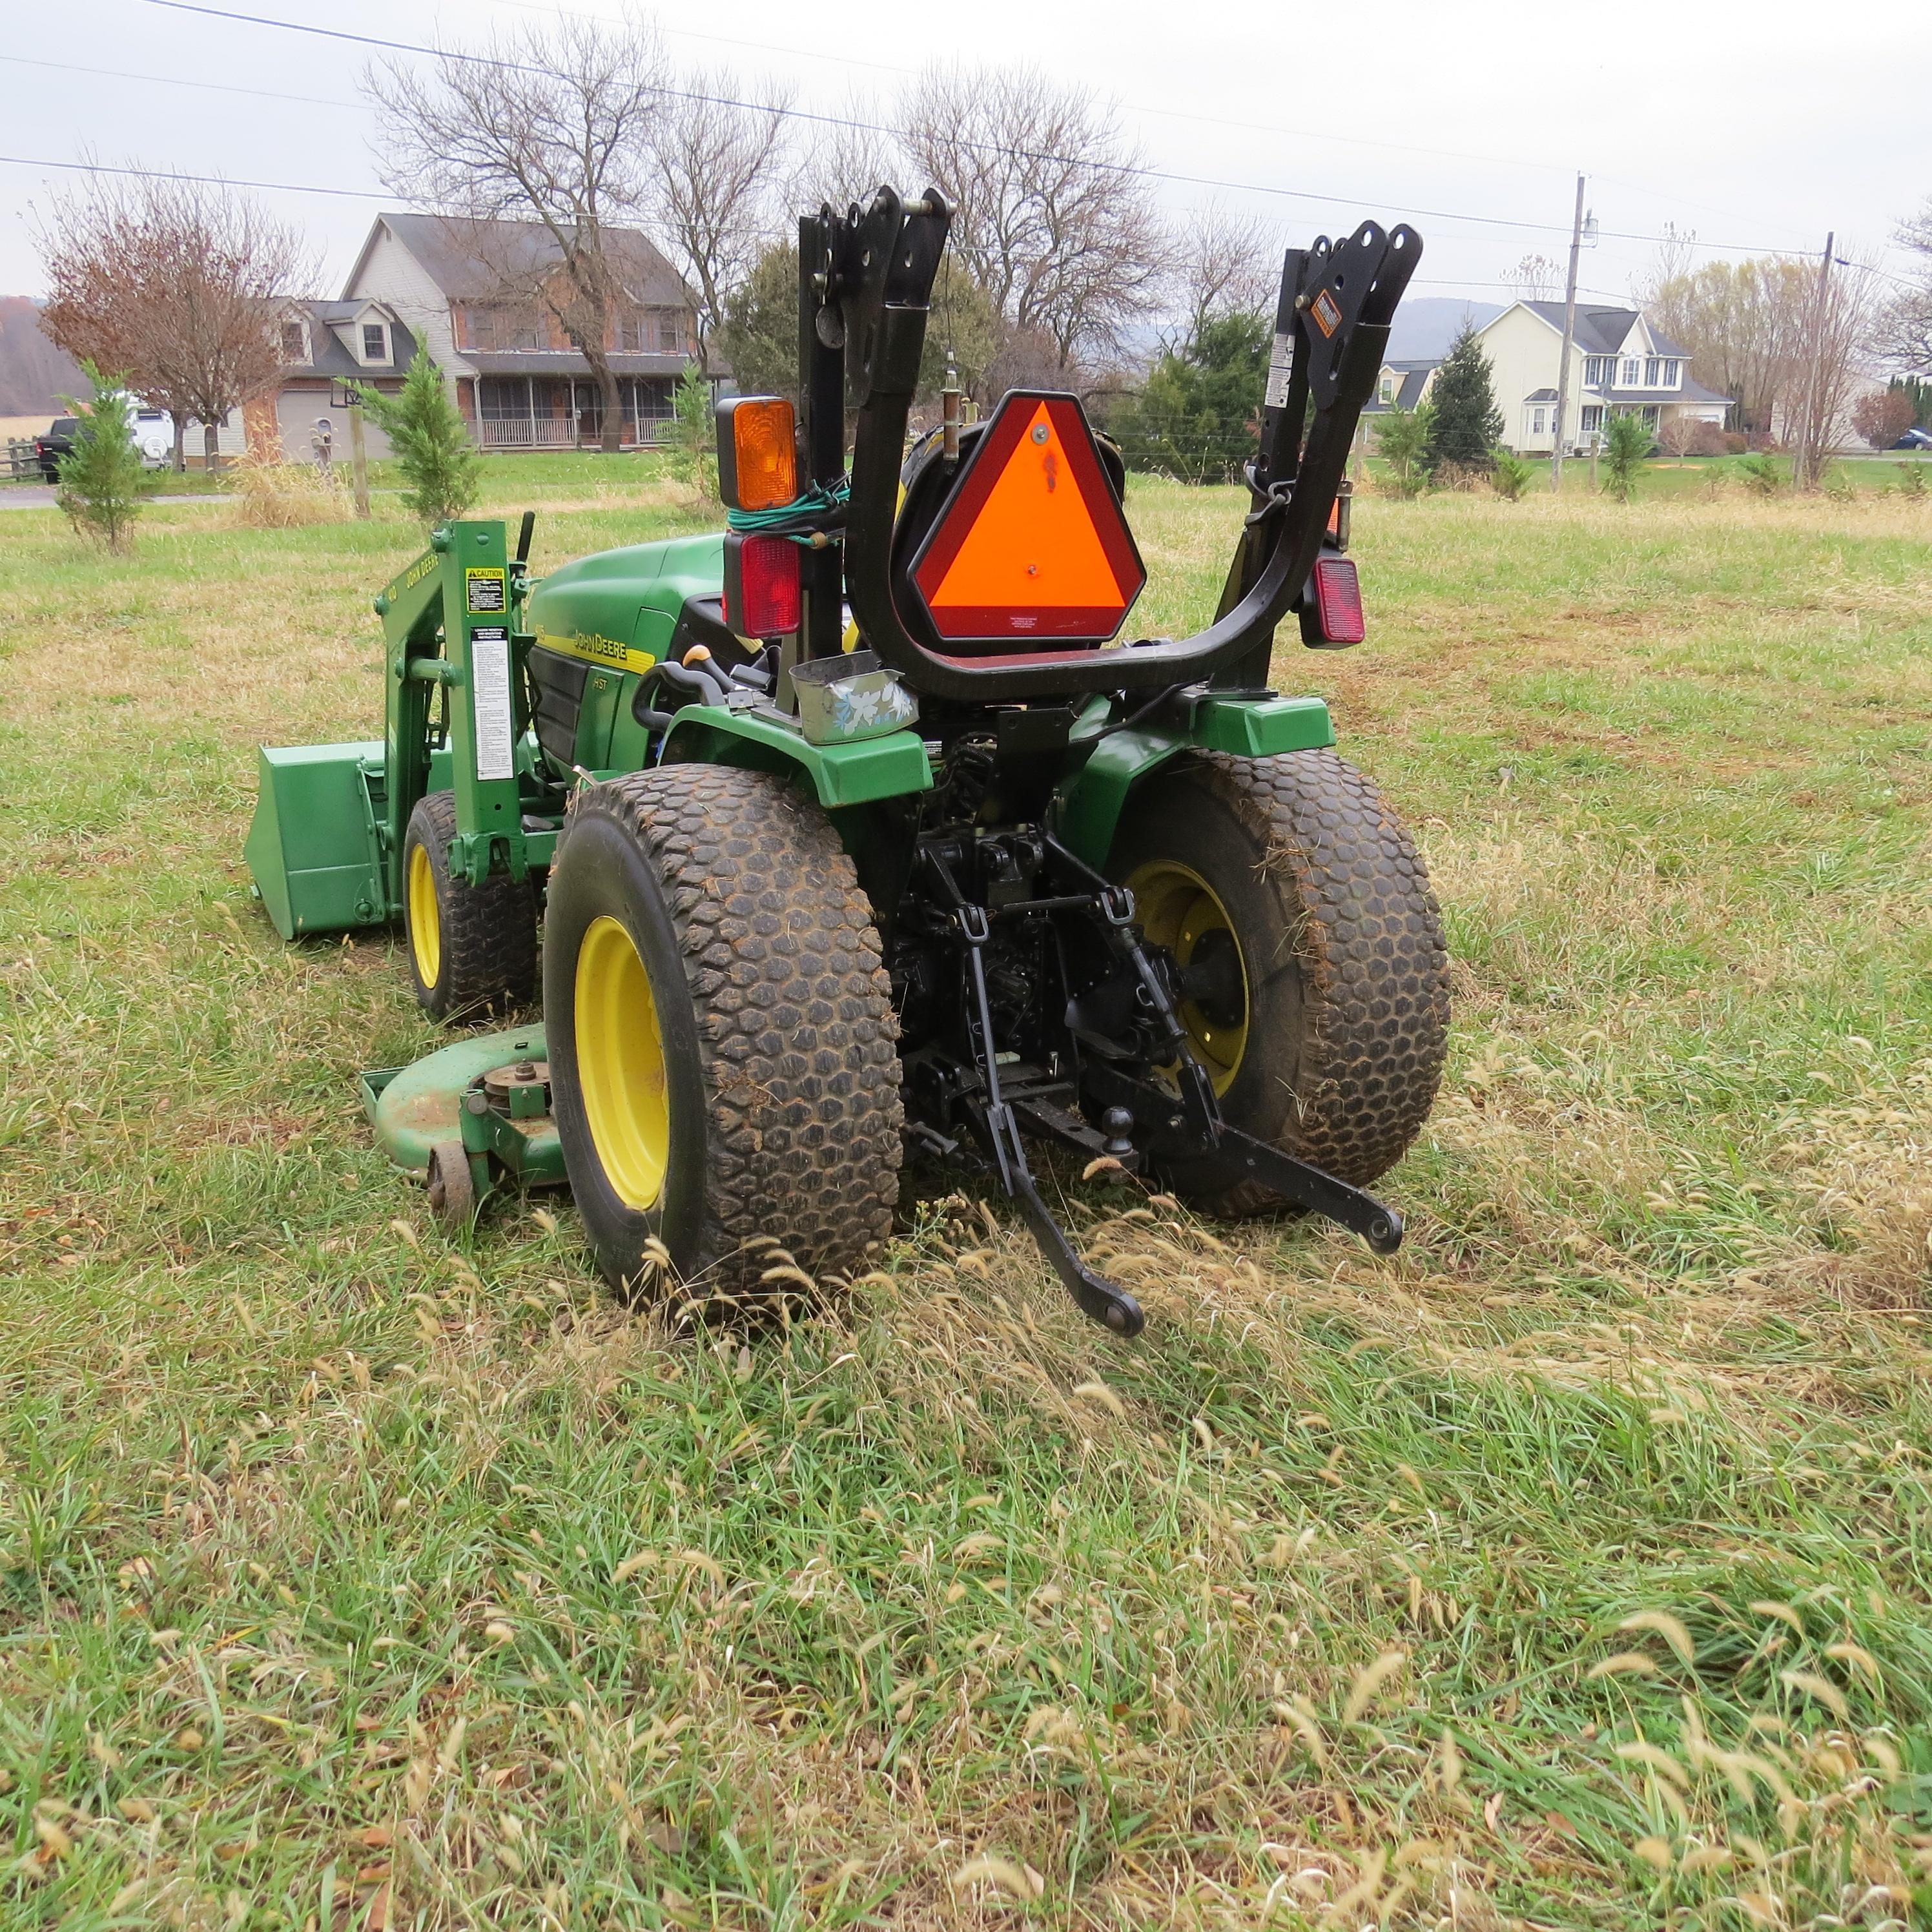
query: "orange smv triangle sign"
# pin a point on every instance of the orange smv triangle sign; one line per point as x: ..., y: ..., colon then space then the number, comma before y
x: 1033, y: 543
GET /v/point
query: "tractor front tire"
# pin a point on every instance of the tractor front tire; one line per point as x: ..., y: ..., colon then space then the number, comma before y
x: 1299, y: 914
x: 723, y: 1050
x: 472, y: 950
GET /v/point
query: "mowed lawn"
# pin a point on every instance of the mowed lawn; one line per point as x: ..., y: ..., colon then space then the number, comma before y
x: 1570, y: 1570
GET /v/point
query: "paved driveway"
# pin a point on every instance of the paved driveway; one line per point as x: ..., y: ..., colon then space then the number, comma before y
x: 40, y: 497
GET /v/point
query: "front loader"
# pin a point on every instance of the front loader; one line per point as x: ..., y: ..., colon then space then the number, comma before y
x: 856, y: 828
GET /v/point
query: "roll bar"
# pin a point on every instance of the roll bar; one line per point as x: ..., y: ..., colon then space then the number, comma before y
x: 866, y: 278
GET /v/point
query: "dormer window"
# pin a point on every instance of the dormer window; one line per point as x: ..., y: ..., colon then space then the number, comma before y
x: 295, y: 342
x: 1673, y: 372
x: 1632, y: 372
x: 1599, y: 370
x: 375, y: 342
x: 1388, y: 389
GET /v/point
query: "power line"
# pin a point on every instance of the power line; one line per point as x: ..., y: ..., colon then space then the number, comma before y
x: 1139, y: 171
x: 176, y: 80
x: 181, y: 175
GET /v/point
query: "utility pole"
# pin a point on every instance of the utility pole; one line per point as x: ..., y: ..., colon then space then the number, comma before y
x: 1808, y: 458
x: 1569, y: 337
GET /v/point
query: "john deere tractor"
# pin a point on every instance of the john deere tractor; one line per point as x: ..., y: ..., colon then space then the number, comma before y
x: 862, y: 826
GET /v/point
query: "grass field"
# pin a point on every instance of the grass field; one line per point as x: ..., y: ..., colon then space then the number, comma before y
x: 1571, y: 1570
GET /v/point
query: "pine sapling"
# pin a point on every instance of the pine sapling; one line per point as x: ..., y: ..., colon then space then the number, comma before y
x: 1626, y: 443
x: 443, y: 467
x: 100, y: 477
x: 692, y: 426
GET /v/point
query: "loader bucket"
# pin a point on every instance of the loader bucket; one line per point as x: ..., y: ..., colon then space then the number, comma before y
x: 313, y: 847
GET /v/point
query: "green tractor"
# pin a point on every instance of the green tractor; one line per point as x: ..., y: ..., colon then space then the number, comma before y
x: 853, y: 829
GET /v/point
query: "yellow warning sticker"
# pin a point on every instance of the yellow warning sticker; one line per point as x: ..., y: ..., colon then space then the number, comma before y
x: 1327, y: 312
x: 487, y: 591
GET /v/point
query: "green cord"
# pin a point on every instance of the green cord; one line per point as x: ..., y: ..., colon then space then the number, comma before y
x: 820, y: 499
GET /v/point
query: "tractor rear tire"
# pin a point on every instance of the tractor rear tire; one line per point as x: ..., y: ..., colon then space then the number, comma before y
x: 723, y: 1050
x: 1292, y: 896
x: 472, y: 950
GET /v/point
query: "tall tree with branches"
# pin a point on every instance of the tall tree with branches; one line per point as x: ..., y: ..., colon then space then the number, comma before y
x: 1743, y: 324
x: 1050, y: 216
x: 553, y: 128
x: 1905, y: 325
x: 1224, y: 264
x: 1835, y: 330
x: 179, y: 284
x: 717, y: 159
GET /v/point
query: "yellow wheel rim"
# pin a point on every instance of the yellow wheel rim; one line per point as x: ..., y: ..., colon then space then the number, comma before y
x: 620, y: 1064
x: 425, y: 917
x: 1180, y: 910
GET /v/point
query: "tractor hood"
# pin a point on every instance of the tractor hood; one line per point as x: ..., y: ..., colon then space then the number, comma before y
x: 619, y: 607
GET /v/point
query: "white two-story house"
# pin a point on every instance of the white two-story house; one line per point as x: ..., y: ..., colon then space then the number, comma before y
x: 1619, y: 365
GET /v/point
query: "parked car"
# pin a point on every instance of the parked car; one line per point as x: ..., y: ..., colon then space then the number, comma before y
x: 1915, y: 439
x: 57, y: 442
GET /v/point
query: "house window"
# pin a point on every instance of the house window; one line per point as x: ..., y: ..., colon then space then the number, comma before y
x: 375, y: 342
x: 1632, y: 372
x: 1593, y: 417
x: 670, y: 330
x: 1388, y: 389
x: 1536, y: 422
x: 295, y: 342
x: 1652, y: 368
x: 504, y: 328
x: 1652, y: 415
x: 1673, y: 371
x: 1598, y: 369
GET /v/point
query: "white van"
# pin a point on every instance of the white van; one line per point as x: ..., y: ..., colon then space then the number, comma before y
x: 153, y: 432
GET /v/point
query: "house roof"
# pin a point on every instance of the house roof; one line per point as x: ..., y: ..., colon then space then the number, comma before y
x: 1604, y: 332
x: 470, y: 260
x: 1408, y: 391
x: 1540, y: 396
x: 327, y: 356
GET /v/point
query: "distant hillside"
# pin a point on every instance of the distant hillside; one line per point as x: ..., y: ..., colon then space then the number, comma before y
x: 34, y: 374
x: 1425, y: 325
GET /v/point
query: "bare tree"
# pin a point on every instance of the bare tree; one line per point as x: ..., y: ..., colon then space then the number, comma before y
x: 1881, y: 416
x: 845, y: 157
x: 552, y: 130
x: 1836, y: 330
x: 1676, y: 256
x: 1051, y: 216
x: 717, y: 166
x: 1743, y: 325
x: 1905, y: 325
x: 178, y: 287
x: 1224, y: 264
x: 1537, y: 278
x: 1679, y: 434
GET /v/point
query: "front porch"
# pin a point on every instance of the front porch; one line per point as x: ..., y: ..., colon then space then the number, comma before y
x: 564, y: 412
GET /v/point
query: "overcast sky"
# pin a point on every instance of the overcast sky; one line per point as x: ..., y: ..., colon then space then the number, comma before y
x: 1758, y: 126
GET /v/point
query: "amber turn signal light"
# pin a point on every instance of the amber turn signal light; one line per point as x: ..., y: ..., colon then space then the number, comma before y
x: 758, y: 452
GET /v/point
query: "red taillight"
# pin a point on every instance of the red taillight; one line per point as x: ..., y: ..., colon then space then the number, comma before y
x: 1338, y: 600
x: 761, y: 586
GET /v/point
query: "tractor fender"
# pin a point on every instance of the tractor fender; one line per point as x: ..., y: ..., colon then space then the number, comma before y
x: 1087, y: 803
x: 857, y: 773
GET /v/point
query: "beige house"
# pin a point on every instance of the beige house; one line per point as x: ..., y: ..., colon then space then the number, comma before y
x: 469, y: 293
x: 1619, y: 365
